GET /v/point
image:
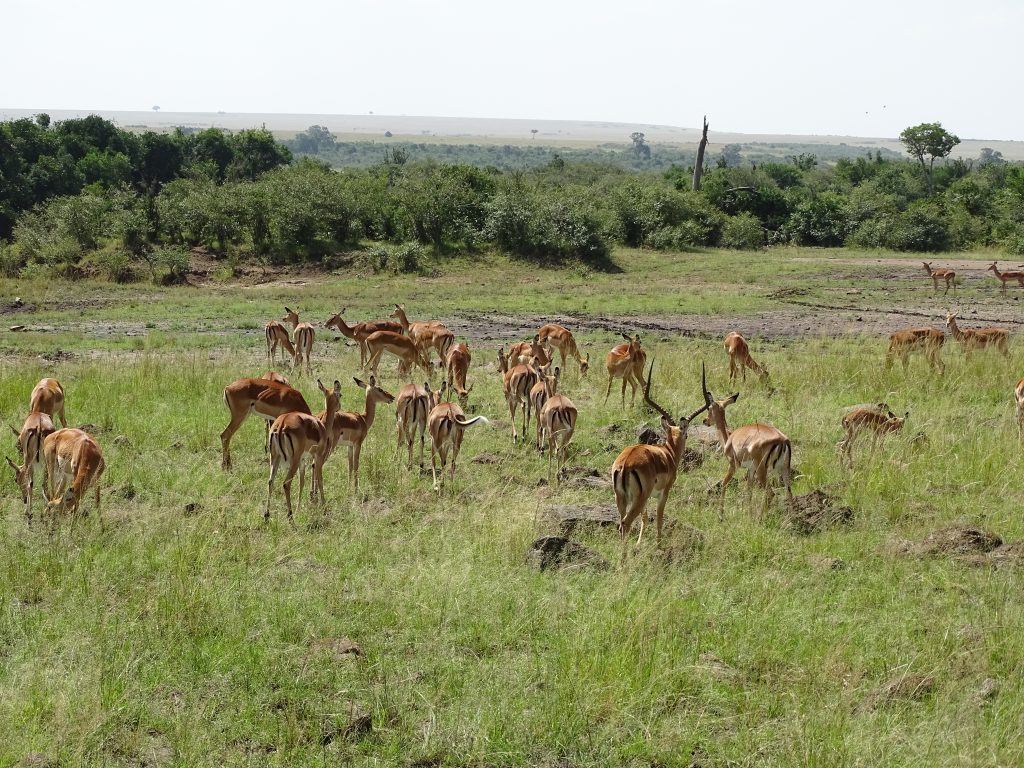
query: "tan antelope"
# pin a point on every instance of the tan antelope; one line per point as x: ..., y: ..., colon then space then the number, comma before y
x: 940, y: 274
x: 626, y: 361
x: 412, y: 407
x: 557, y: 425
x: 562, y: 340
x: 457, y: 366
x: 293, y: 437
x: 360, y: 331
x: 979, y: 338
x: 267, y: 399
x: 642, y: 469
x: 72, y: 456
x: 48, y: 397
x: 275, y: 377
x: 761, y: 449
x: 1018, y: 399
x: 926, y: 340
x: 351, y: 428
x: 739, y: 357
x: 447, y: 425
x: 428, y: 334
x: 1005, y: 277
x: 869, y: 419
x: 545, y: 387
x: 303, y: 340
x: 522, y: 352
x: 277, y: 336
x: 37, y: 427
x: 402, y: 347
x: 517, y: 382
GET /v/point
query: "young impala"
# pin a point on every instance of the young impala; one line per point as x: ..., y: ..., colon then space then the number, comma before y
x: 561, y: 339
x: 626, y: 361
x: 277, y: 336
x: 447, y: 424
x: 457, y: 365
x: 1005, y: 277
x: 37, y: 427
x: 926, y: 340
x: 1018, y: 399
x: 557, y: 424
x: 48, y: 397
x: 427, y: 334
x: 760, y: 449
x: 351, y: 428
x: 740, y: 359
x: 360, y: 331
x: 412, y: 406
x: 402, y: 347
x: 263, y: 397
x: 303, y: 340
x: 979, y: 338
x: 72, y: 456
x: 517, y: 382
x: 642, y: 469
x: 870, y: 419
x: 545, y: 387
x: 293, y: 437
x: 940, y: 274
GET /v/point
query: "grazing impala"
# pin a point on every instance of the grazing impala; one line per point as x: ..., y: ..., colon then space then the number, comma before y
x: 277, y: 336
x: 275, y: 377
x: 262, y: 397
x: 72, y: 456
x: 740, y: 359
x: 412, y: 406
x: 522, y: 352
x: 517, y: 382
x: 869, y: 419
x: 760, y: 449
x: 293, y: 437
x: 402, y: 347
x: 37, y: 427
x: 428, y: 334
x: 1005, y: 277
x: 303, y: 340
x: 48, y: 397
x: 926, y: 340
x: 642, y: 469
x: 562, y: 340
x: 979, y: 338
x: 545, y: 387
x: 557, y: 424
x: 626, y: 361
x: 447, y: 424
x: 1018, y: 398
x: 360, y: 331
x: 457, y: 364
x: 351, y: 428
x: 940, y: 274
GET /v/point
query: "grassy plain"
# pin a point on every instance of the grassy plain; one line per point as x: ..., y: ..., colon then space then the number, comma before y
x: 203, y: 637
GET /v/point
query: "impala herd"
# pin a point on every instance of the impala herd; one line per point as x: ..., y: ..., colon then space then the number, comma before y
x: 67, y: 462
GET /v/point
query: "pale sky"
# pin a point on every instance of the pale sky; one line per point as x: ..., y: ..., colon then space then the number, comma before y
x: 867, y: 68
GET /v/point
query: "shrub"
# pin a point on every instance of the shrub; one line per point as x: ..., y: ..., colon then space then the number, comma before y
x: 920, y: 228
x: 823, y: 220
x: 171, y: 263
x: 113, y: 262
x: 743, y: 232
x: 398, y: 259
x: 11, y: 260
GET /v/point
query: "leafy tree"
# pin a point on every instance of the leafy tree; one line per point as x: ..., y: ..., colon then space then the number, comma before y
x: 988, y: 156
x: 928, y: 140
x: 641, y: 149
x: 212, y: 148
x: 256, y: 152
x: 314, y: 140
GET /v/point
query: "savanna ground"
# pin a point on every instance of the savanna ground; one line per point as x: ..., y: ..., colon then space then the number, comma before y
x: 186, y: 632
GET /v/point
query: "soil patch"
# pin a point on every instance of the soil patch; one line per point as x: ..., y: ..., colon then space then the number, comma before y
x: 815, y: 511
x: 902, y: 688
x: 957, y: 540
x: 560, y: 553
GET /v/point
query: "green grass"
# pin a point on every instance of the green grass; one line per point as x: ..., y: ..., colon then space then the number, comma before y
x: 168, y: 638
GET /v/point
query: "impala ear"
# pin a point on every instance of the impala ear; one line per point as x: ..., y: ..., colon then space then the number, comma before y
x: 286, y: 309
x: 360, y: 383
x: 12, y: 464
x: 731, y: 399
x: 337, y: 387
x: 626, y: 336
x: 373, y: 381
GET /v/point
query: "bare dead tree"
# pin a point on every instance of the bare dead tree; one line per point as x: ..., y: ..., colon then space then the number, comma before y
x: 698, y: 167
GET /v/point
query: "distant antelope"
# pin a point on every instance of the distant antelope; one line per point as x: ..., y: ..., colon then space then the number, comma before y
x: 1005, y: 277
x: 546, y: 387
x: 37, y: 427
x: 72, y: 456
x: 562, y: 340
x: 626, y: 361
x: 447, y: 424
x: 979, y: 338
x: 740, y: 359
x: 277, y: 336
x: 926, y: 340
x: 427, y: 334
x: 263, y: 397
x: 1018, y: 398
x: 869, y: 419
x: 48, y: 397
x: 522, y: 352
x: 303, y: 340
x: 412, y: 406
x: 940, y: 274
x: 402, y: 347
x: 457, y: 364
x: 557, y: 424
x: 517, y: 382
x: 360, y: 331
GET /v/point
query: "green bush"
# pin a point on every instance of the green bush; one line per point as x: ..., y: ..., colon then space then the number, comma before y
x: 743, y: 232
x: 11, y: 259
x: 920, y: 228
x: 113, y: 262
x: 171, y: 264
x: 823, y: 220
x: 401, y: 259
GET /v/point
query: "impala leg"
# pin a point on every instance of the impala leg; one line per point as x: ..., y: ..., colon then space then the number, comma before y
x: 624, y: 390
x: 725, y: 484
x: 422, y: 430
x: 433, y: 465
x: 355, y: 465
x: 610, y: 380
x: 270, y: 488
x: 237, y: 419
x: 512, y: 407
x: 660, y: 515
x: 302, y: 483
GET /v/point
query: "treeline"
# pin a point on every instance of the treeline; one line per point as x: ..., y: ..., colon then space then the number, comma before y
x: 249, y: 203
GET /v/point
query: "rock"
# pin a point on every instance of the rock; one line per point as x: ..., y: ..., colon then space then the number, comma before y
x: 122, y: 440
x: 192, y: 509
x: 558, y: 552
x: 570, y: 516
x: 647, y: 436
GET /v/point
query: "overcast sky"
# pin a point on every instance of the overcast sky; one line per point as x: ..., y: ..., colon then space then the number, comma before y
x: 866, y: 68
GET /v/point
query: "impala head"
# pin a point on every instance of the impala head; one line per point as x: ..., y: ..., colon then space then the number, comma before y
x: 21, y: 478
x: 60, y: 503
x: 332, y: 397
x: 585, y: 365
x: 993, y: 266
x: 291, y: 316
x: 502, y: 360
x: 551, y: 380
x: 634, y: 340
x: 716, y: 408
x: 336, y: 320
x: 927, y: 266
x: 950, y: 319
x: 398, y: 311
x: 373, y: 392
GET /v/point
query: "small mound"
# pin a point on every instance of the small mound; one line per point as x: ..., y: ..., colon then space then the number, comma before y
x: 958, y: 540
x: 815, y: 511
x: 559, y: 553
x: 903, y: 688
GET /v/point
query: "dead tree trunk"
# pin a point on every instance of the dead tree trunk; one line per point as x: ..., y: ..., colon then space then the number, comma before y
x: 698, y: 167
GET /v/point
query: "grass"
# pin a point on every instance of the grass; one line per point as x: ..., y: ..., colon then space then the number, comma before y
x: 197, y: 638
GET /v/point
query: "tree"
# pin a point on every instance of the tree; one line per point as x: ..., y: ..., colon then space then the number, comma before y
x: 255, y: 153
x: 730, y: 156
x: 929, y: 140
x: 698, y: 166
x: 314, y: 140
x: 640, y: 147
x: 990, y: 156
x: 534, y: 132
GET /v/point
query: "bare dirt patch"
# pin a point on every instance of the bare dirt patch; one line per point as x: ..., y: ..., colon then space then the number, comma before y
x: 955, y: 540
x: 816, y: 511
x: 901, y: 689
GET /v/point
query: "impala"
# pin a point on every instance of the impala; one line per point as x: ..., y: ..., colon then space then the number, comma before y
x: 275, y: 377
x: 72, y: 456
x: 940, y: 274
x: 740, y: 359
x: 642, y: 469
x: 37, y: 427
x: 979, y: 338
x: 557, y: 423
x: 545, y: 387
x: 351, y: 428
x: 293, y: 437
x: 761, y: 449
x: 277, y: 336
x: 457, y: 365
x: 447, y: 425
x: 262, y: 397
x: 303, y: 340
x: 402, y: 347
x: 412, y: 406
x: 426, y: 333
x: 562, y: 340
x: 626, y: 361
x: 517, y: 382
x: 870, y: 419
x: 48, y: 397
x: 927, y: 340
x: 1018, y: 398
x: 1004, y: 277
x: 360, y: 331
x: 522, y: 352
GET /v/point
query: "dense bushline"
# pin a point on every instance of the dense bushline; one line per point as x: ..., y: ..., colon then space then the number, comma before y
x: 84, y: 195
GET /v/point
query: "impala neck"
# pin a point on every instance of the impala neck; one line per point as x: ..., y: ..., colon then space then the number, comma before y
x: 344, y: 327
x: 371, y: 411
x: 955, y: 329
x: 718, y: 418
x: 402, y: 319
